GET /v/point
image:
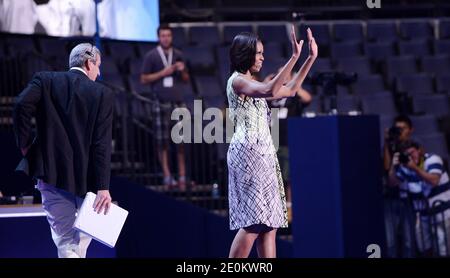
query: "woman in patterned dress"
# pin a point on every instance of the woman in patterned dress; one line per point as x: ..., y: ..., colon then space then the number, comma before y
x: 257, y: 204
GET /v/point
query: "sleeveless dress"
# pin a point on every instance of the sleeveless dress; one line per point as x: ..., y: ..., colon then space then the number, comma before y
x: 255, y: 191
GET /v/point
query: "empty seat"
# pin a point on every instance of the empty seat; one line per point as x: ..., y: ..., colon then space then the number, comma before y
x: 442, y: 46
x: 381, y: 31
x: 179, y: 37
x: 188, y: 92
x: 223, y: 54
x: 400, y: 65
x: 431, y: 104
x: 443, y: 83
x: 360, y: 65
x: 381, y: 105
x: 444, y: 29
x: 379, y: 51
x: 415, y: 48
x: 347, y: 103
x: 200, y: 58
x: 435, y: 144
x: 216, y: 102
x: 188, y: 95
x: 273, y: 51
x: 271, y: 67
x: 436, y: 64
x: 344, y: 104
x: 321, y: 65
x: 224, y: 74
x: 348, y: 32
x: 345, y: 49
x: 204, y: 35
x: 368, y: 84
x: 340, y: 90
x: 412, y: 84
x: 274, y: 33
x: 383, y: 93
x: 412, y: 30
x: 322, y: 36
x: 229, y: 32
x: 223, y: 63
x: 321, y: 33
x: 425, y: 124
x: 208, y: 86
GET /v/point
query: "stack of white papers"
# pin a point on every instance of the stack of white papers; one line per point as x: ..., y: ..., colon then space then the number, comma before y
x: 101, y: 227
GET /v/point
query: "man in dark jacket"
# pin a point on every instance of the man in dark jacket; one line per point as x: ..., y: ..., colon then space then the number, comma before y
x: 70, y: 154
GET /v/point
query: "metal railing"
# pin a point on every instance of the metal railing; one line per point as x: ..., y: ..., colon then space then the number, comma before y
x: 135, y: 148
x: 11, y: 84
x: 135, y: 155
x: 432, y: 230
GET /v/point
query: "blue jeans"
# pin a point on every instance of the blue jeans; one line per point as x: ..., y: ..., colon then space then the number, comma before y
x: 399, y: 221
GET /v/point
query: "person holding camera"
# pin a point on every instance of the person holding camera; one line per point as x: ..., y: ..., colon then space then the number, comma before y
x: 401, y: 131
x: 399, y: 214
x: 426, y: 180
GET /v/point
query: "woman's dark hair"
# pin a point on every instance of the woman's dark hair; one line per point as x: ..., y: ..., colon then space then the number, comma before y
x: 242, y: 52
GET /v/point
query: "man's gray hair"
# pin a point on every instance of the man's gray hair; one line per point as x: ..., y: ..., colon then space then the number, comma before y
x: 81, y: 53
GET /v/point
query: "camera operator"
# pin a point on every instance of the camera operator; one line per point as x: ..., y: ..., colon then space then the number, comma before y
x: 401, y: 131
x: 398, y: 211
x: 425, y: 178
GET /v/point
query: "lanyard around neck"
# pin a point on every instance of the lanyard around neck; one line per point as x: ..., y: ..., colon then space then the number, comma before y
x: 166, y: 61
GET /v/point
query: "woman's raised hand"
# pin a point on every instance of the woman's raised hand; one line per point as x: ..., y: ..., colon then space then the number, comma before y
x: 296, y: 46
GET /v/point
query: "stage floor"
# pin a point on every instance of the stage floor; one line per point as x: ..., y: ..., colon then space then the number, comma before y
x: 25, y: 233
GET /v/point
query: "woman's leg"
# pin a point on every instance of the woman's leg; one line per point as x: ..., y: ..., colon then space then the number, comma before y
x: 242, y: 243
x: 266, y: 244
